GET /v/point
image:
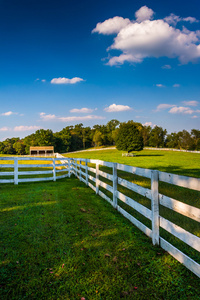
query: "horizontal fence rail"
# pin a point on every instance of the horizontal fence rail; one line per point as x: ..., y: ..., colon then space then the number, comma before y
x: 91, y: 175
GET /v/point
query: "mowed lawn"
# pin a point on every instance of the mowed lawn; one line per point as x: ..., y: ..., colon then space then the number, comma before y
x: 61, y: 241
x: 181, y: 163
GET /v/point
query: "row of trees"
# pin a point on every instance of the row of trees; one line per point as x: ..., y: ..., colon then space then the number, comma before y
x: 77, y: 137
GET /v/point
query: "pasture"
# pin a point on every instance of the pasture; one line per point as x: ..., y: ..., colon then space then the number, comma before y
x: 61, y: 241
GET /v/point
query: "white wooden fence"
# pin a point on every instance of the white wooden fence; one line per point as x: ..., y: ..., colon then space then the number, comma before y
x: 79, y: 167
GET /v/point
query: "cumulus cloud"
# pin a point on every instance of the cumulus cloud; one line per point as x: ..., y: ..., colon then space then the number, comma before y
x: 82, y: 118
x: 9, y: 113
x: 191, y: 103
x: 164, y: 106
x: 63, y: 80
x: 149, y: 124
x: 144, y: 13
x: 117, y: 108
x: 111, y: 26
x: 26, y: 128
x: 160, y: 85
x: 173, y: 19
x: 181, y: 110
x: 4, y: 128
x: 194, y: 117
x: 83, y: 110
x: 144, y: 37
x: 167, y: 67
x: 49, y: 117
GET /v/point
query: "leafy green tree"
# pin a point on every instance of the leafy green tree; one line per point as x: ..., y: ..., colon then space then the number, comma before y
x: 19, y: 147
x: 196, y: 137
x: 157, y: 137
x: 129, y: 137
x: 98, y: 138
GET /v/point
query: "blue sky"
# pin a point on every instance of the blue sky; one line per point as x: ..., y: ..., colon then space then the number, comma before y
x: 69, y: 62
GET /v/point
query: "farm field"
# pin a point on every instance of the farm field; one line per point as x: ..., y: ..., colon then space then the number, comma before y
x: 61, y: 241
x: 181, y: 163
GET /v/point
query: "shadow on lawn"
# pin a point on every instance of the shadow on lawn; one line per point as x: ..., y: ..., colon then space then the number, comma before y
x: 79, y: 246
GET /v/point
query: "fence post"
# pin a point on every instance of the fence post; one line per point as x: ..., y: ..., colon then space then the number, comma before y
x: 54, y: 170
x: 76, y: 167
x: 86, y: 171
x: 155, y: 207
x: 115, y: 185
x: 97, y: 177
x: 16, y: 170
x: 69, y: 167
x: 80, y: 170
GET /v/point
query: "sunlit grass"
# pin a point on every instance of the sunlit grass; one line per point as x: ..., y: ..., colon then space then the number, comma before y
x: 61, y: 241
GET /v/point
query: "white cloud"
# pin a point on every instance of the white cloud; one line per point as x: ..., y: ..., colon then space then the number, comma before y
x: 194, y: 117
x: 181, y: 110
x: 112, y: 25
x: 46, y: 117
x: 191, y: 103
x: 144, y: 13
x: 4, y: 129
x: 49, y: 117
x: 116, y: 108
x: 173, y: 19
x: 9, y: 113
x: 167, y: 67
x: 163, y: 106
x: 26, y: 128
x: 83, y: 110
x: 160, y: 85
x: 63, y: 80
x: 82, y: 118
x: 43, y: 80
x: 176, y: 85
x: 144, y: 38
x: 149, y: 124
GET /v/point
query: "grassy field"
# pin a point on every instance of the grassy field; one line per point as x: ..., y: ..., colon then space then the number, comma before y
x: 61, y: 241
x: 181, y: 163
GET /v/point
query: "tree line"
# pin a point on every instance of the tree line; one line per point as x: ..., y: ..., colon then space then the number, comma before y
x: 72, y: 138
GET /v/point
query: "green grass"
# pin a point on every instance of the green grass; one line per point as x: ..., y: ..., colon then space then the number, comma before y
x: 181, y: 163
x: 61, y: 241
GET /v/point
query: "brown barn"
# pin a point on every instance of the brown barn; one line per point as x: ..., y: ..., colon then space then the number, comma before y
x: 46, y: 150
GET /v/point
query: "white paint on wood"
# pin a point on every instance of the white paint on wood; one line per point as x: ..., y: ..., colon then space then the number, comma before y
x: 106, y: 186
x: 181, y: 257
x: 86, y: 171
x: 114, y: 189
x: 185, y: 236
x: 135, y: 187
x: 180, y: 207
x: 155, y: 208
x: 54, y: 170
x: 6, y: 173
x: 183, y: 181
x: 7, y: 166
x: 35, y: 172
x: 134, y: 170
x: 106, y: 175
x: 97, y: 178
x: 93, y: 170
x: 137, y: 223
x: 35, y: 166
x: 16, y: 170
x: 62, y: 176
x: 92, y: 178
x: 63, y: 170
x: 137, y: 206
x: 92, y: 186
x: 6, y: 180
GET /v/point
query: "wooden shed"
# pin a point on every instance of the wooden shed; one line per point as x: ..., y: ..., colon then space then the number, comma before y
x: 45, y: 150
